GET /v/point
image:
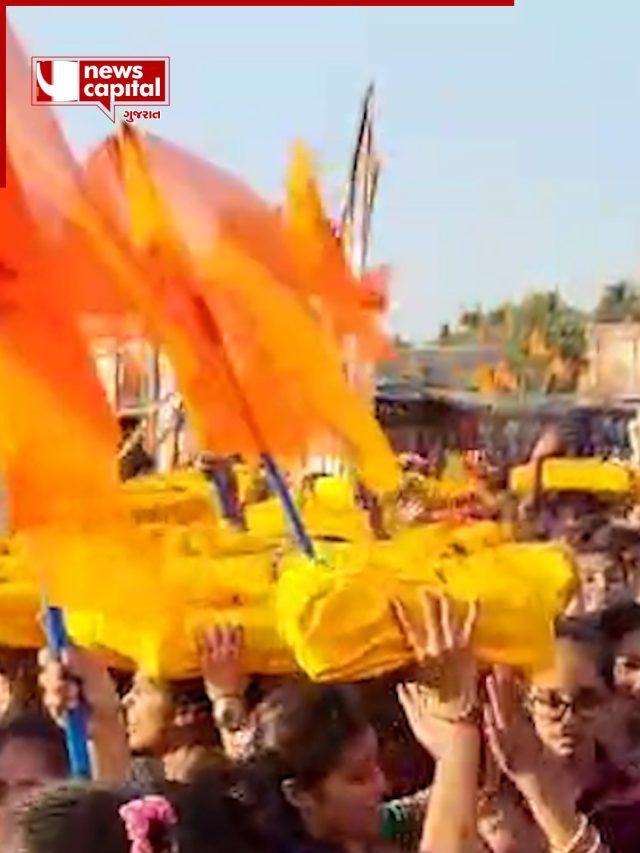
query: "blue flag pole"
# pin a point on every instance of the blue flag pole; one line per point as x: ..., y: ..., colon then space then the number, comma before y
x: 279, y: 486
x: 75, y: 723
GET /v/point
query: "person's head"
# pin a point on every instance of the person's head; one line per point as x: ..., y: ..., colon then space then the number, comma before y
x: 74, y: 818
x: 622, y: 627
x: 601, y: 569
x: 503, y: 823
x: 407, y: 767
x: 566, y: 700
x: 318, y: 747
x: 32, y: 754
x: 202, y: 817
x: 164, y: 716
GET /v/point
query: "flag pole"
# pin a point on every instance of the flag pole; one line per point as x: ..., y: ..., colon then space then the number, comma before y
x: 274, y: 474
x: 75, y: 722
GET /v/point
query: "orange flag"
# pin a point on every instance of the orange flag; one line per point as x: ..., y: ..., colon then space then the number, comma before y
x: 298, y: 244
x: 172, y: 299
x: 220, y: 330
x: 251, y: 359
x: 58, y: 439
x: 354, y: 306
x: 52, y: 183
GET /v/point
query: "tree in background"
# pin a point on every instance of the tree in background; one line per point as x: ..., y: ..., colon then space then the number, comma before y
x: 619, y: 303
x: 543, y: 339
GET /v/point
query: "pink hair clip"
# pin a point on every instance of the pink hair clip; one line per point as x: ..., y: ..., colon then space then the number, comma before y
x: 138, y: 815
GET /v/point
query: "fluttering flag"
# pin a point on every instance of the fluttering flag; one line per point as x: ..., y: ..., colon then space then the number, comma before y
x: 58, y: 438
x: 256, y: 369
x: 54, y: 414
x: 247, y: 349
x: 52, y: 183
x: 353, y: 305
x: 172, y: 301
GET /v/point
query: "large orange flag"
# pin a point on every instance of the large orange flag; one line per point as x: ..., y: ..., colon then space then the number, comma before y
x: 220, y: 335
x: 57, y: 433
x: 52, y: 183
x: 172, y: 300
x: 251, y: 358
x: 58, y: 438
x: 297, y: 243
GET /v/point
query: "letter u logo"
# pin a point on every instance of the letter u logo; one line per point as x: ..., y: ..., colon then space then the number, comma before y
x: 58, y: 80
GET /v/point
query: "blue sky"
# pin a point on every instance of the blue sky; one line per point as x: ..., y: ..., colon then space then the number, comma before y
x: 510, y: 137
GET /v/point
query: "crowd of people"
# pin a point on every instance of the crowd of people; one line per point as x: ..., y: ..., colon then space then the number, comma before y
x: 447, y: 756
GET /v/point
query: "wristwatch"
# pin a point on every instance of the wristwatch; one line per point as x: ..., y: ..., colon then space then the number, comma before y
x: 229, y: 713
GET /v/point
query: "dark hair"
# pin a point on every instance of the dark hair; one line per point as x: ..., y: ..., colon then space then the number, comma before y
x: 300, y: 735
x: 188, y: 693
x: 40, y: 730
x: 182, y: 693
x: 405, y: 764
x: 218, y: 812
x: 585, y: 631
x: 190, y: 696
x: 75, y: 818
x: 616, y: 622
x: 303, y: 729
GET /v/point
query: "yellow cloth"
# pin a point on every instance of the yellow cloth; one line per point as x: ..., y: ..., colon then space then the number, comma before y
x: 181, y: 497
x: 170, y: 651
x: 230, y: 581
x: 330, y: 511
x: 580, y: 475
x: 266, y: 519
x: 331, y: 618
x: 20, y: 607
x: 336, y: 617
x: 426, y: 541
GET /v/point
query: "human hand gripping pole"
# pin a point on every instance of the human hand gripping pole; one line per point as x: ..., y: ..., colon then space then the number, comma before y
x: 75, y: 721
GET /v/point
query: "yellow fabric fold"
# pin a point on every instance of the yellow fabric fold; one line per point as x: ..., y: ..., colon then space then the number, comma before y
x: 579, y: 475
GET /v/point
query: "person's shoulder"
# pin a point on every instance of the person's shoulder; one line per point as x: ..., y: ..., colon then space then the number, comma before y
x: 616, y: 818
x: 619, y: 797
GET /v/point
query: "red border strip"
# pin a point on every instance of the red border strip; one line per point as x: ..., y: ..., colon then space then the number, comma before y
x: 3, y: 39
x: 3, y: 97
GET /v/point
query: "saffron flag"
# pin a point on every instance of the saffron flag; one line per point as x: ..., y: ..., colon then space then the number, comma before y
x: 51, y: 180
x: 232, y: 328
x: 354, y: 306
x: 58, y: 438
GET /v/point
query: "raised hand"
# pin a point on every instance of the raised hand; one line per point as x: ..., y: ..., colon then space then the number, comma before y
x: 80, y: 675
x: 445, y: 696
x: 509, y: 733
x: 221, y: 649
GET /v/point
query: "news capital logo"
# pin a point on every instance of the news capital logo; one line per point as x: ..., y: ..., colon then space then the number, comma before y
x: 100, y: 81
